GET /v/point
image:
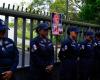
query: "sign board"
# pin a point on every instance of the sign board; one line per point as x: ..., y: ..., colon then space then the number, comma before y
x: 57, y: 28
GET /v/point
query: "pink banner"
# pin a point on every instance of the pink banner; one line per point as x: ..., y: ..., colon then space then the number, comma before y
x: 57, y: 28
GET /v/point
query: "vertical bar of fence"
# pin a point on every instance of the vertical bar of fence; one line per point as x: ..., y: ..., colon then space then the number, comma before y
x: 65, y: 31
x: 38, y: 22
x: 51, y: 36
x: 6, y: 22
x: 3, y: 5
x: 31, y: 29
x: 15, y: 29
x: 56, y: 48
x: 23, y: 41
x: 84, y: 31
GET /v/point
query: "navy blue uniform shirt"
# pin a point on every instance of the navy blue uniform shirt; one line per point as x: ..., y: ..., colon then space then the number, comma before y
x: 9, y: 55
x: 42, y: 52
x: 87, y: 49
x: 69, y: 49
x: 97, y: 49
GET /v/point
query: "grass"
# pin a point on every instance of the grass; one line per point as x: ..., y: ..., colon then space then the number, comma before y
x: 27, y: 35
x: 20, y: 34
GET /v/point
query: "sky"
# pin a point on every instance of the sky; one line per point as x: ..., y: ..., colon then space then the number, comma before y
x: 13, y: 2
x: 16, y: 2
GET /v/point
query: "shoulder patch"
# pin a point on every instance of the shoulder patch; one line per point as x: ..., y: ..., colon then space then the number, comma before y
x: 95, y: 44
x: 34, y: 48
x: 66, y: 47
x: 82, y: 47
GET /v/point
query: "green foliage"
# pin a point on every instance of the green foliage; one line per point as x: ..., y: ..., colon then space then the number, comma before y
x: 87, y: 12
x: 39, y: 4
x: 90, y: 11
x: 11, y: 24
x: 58, y: 6
x: 20, y: 22
x: 98, y: 2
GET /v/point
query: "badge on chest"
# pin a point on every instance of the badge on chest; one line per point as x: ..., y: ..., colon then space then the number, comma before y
x: 6, y: 47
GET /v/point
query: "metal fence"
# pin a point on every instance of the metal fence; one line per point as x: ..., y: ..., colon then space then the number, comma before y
x: 38, y: 16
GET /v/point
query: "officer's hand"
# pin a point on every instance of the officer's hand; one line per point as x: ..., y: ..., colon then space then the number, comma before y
x: 7, y: 75
x: 49, y: 68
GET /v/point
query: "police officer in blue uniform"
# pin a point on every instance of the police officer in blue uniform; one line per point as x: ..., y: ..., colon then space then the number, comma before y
x: 97, y: 56
x: 68, y: 55
x: 8, y: 55
x: 87, y: 56
x: 41, y: 55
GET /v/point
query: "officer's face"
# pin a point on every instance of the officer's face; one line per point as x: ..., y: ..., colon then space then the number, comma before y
x: 2, y: 33
x: 89, y: 38
x: 43, y: 33
x: 74, y: 34
x: 97, y: 38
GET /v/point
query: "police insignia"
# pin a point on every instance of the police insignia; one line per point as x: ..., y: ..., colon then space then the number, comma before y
x: 34, y: 48
x: 82, y: 47
x: 66, y: 47
x: 3, y: 49
x: 95, y: 44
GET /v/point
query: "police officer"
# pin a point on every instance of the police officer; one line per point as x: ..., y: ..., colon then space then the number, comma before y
x: 8, y: 55
x: 42, y: 55
x: 87, y: 56
x: 68, y: 55
x: 97, y: 55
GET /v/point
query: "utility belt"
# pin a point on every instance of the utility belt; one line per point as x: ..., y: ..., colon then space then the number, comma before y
x: 71, y: 57
x: 87, y: 57
x: 4, y: 65
x: 4, y: 68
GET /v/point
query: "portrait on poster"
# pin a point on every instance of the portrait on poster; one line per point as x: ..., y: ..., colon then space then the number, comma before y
x: 57, y: 28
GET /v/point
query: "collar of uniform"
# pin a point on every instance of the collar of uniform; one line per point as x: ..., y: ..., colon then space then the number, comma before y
x: 88, y: 42
x: 73, y: 41
x: 42, y: 39
x: 98, y: 41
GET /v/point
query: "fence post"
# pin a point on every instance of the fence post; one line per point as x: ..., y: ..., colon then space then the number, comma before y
x: 6, y: 22
x: 15, y: 29
x: 31, y: 29
x: 56, y: 49
x: 23, y: 41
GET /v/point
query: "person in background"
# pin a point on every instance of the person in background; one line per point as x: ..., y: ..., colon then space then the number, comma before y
x: 41, y: 55
x: 97, y: 56
x: 68, y: 55
x: 86, y: 62
x: 9, y: 55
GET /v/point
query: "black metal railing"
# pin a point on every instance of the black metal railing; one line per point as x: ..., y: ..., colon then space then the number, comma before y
x: 36, y: 16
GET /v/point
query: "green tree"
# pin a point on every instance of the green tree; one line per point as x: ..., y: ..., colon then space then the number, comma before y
x: 39, y: 4
x: 90, y: 11
x: 60, y: 6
